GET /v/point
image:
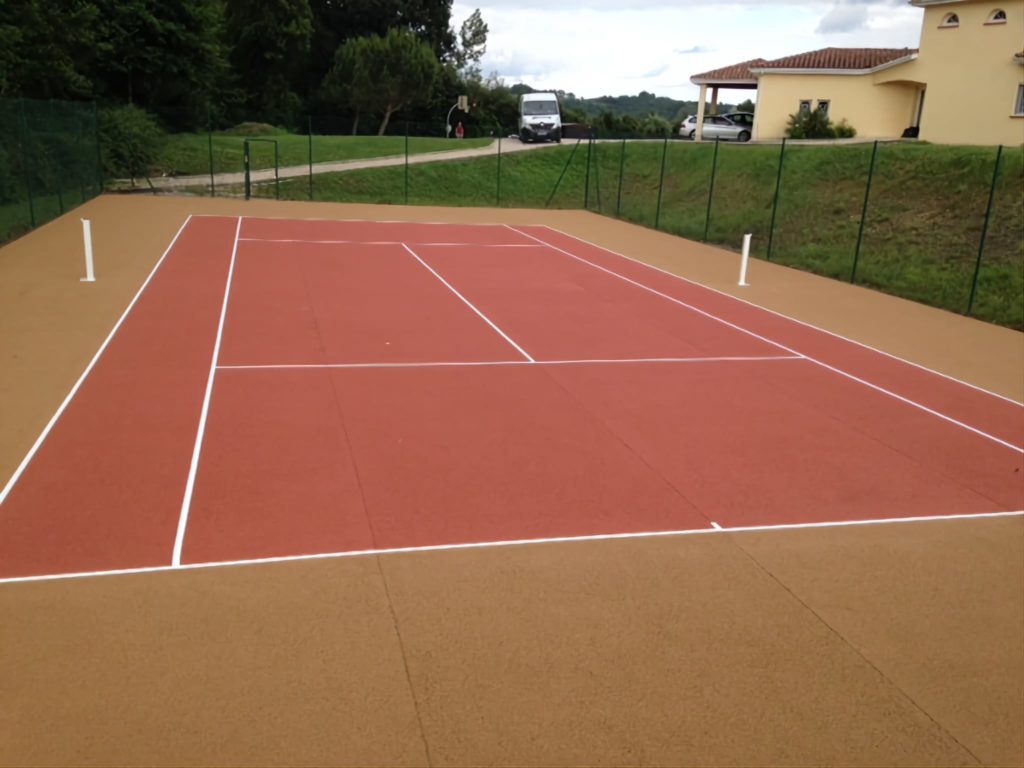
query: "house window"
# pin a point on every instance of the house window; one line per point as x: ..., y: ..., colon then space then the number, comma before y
x: 823, y: 105
x: 805, y: 105
x: 950, y: 20
x: 1018, y: 108
x: 998, y: 16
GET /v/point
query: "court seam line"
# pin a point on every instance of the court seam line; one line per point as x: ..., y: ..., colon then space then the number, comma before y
x: 512, y: 543
x: 852, y: 646
x: 6, y: 490
x: 781, y: 315
x: 484, y: 363
x: 468, y: 303
x: 765, y: 339
x: 186, y: 503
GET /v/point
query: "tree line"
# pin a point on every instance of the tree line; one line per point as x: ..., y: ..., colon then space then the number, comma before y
x: 191, y: 62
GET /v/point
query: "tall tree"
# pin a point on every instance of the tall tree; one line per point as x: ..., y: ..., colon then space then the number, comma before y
x: 472, y: 44
x: 335, y: 21
x: 383, y: 74
x: 404, y: 71
x: 46, y: 48
x: 347, y: 83
x: 270, y: 46
x: 166, y: 54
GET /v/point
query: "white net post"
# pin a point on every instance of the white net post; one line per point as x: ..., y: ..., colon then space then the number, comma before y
x: 744, y: 260
x: 90, y: 274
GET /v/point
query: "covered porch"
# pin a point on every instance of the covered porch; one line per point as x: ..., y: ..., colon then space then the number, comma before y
x: 735, y: 76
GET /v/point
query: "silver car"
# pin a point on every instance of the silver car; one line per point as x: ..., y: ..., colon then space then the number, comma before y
x: 715, y: 127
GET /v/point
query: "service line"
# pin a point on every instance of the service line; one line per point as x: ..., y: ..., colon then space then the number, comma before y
x: 747, y: 331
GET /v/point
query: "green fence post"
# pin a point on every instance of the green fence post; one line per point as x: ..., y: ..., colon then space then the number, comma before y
x: 245, y: 162
x: 984, y: 230
x: 497, y: 196
x: 406, y: 162
x: 775, y: 201
x: 277, y: 174
x: 58, y: 174
x: 562, y: 174
x: 622, y: 166
x: 81, y: 146
x: 864, y: 213
x: 711, y: 192
x: 209, y: 149
x: 586, y: 181
x: 99, y: 155
x: 661, y: 183
x: 309, y: 133
x: 597, y: 173
x: 26, y: 166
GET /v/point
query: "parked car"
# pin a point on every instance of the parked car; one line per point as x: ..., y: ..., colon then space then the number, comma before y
x: 741, y: 118
x: 715, y: 126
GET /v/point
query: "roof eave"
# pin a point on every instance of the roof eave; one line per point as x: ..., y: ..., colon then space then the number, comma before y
x: 827, y: 71
x: 719, y: 81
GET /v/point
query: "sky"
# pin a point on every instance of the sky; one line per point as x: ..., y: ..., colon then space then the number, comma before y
x: 621, y: 47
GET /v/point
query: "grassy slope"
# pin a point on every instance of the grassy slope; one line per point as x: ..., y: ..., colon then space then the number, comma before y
x: 188, y: 153
x: 920, y: 238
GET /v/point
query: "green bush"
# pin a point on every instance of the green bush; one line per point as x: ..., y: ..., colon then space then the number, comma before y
x: 130, y: 140
x: 815, y: 124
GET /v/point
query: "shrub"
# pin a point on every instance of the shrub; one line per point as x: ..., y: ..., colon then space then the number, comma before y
x: 130, y: 141
x: 815, y: 124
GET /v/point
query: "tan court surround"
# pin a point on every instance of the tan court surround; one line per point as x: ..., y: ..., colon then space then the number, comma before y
x: 881, y: 645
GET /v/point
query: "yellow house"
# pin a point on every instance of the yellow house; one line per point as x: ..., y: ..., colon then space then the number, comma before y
x: 964, y: 85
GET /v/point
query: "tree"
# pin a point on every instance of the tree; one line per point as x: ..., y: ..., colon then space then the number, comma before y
x: 472, y: 44
x: 270, y: 41
x: 348, y: 82
x: 46, y: 48
x: 745, y: 106
x: 391, y: 72
x: 166, y: 54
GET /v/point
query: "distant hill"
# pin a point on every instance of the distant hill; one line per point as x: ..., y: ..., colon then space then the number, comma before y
x: 639, y: 106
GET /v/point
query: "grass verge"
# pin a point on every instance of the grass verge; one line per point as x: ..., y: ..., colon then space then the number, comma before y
x: 920, y: 238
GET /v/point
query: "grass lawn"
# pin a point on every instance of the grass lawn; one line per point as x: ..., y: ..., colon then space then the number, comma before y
x: 186, y: 154
x: 921, y: 233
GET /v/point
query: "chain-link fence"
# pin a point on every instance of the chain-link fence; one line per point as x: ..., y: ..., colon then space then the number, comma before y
x: 49, y: 161
x: 942, y: 225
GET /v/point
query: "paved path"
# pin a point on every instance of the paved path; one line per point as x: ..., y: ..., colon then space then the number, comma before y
x: 296, y: 171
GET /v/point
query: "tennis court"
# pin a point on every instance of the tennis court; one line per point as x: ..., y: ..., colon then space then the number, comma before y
x: 288, y: 389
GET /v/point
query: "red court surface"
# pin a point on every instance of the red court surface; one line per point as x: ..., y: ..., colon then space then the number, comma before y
x: 284, y: 389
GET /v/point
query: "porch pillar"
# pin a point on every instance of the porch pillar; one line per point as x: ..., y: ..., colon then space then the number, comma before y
x: 700, y: 113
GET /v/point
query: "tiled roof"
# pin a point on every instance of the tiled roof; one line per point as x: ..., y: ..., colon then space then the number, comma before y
x: 732, y: 72
x: 840, y: 58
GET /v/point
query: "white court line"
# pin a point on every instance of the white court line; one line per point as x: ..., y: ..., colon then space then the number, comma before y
x: 92, y: 363
x: 494, y: 224
x: 786, y: 317
x: 716, y: 529
x: 468, y: 303
x: 758, y: 336
x: 186, y: 503
x: 385, y: 242
x: 479, y: 363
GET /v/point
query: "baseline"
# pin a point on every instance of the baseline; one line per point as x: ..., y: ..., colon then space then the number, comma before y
x: 717, y: 529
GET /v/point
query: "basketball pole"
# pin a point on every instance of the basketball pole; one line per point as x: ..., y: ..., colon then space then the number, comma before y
x: 90, y: 274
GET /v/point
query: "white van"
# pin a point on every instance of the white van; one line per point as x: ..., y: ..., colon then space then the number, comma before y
x: 539, y: 118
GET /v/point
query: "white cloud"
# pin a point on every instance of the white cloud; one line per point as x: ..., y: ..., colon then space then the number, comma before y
x: 845, y: 17
x: 600, y: 47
